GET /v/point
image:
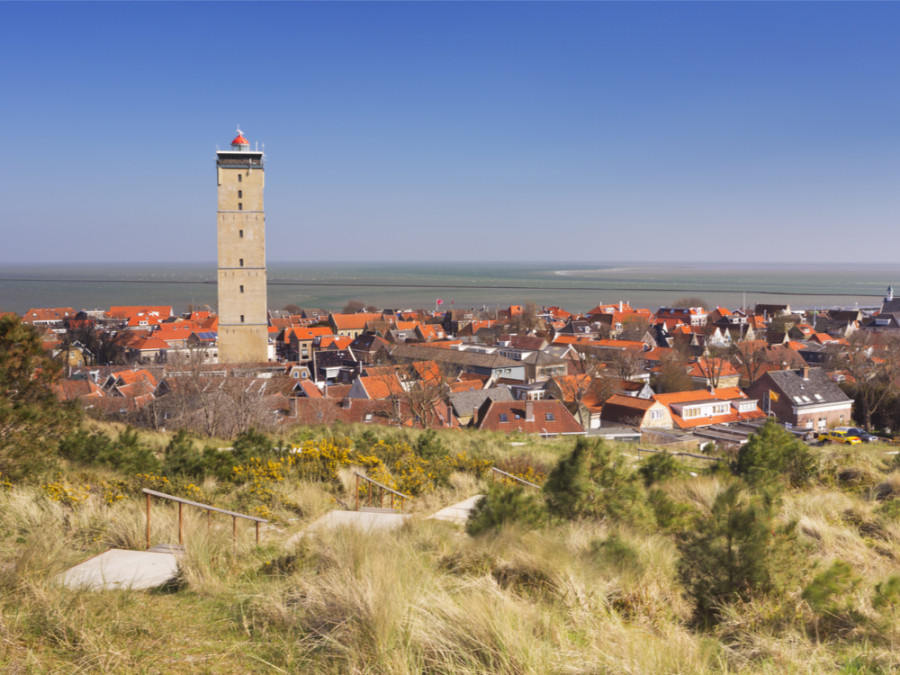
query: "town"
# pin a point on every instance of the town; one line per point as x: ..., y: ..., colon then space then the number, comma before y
x: 677, y: 377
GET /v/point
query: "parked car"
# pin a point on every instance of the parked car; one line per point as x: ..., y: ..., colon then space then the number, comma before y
x: 839, y: 436
x: 860, y: 433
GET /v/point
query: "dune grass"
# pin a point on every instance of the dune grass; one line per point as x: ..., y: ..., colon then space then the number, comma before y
x: 586, y: 596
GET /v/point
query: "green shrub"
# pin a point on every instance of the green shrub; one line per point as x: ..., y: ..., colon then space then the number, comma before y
x: 773, y: 453
x: 733, y: 554
x: 125, y: 453
x: 828, y: 597
x: 658, y: 468
x: 505, y: 504
x: 593, y: 482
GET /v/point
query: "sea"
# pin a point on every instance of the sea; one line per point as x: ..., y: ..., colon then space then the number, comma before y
x: 576, y: 287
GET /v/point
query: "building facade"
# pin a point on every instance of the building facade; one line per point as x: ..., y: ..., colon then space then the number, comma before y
x: 243, y: 317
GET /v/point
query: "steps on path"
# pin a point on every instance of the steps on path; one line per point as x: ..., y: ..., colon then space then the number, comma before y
x: 121, y: 569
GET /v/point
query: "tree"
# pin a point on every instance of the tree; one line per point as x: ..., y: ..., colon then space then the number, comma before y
x: 750, y: 358
x: 873, y: 362
x: 594, y: 482
x: 734, y: 553
x: 103, y: 347
x: 32, y: 421
x: 353, y: 306
x: 673, y: 375
x: 690, y: 301
x: 527, y: 320
x: 774, y: 452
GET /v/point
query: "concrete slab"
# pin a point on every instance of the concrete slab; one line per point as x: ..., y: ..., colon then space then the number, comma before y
x: 118, y: 568
x: 363, y: 520
x: 457, y: 513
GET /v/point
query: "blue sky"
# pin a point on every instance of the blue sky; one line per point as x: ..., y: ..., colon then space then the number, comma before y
x: 450, y: 131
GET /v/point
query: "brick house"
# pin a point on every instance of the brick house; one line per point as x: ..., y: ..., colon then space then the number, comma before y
x: 805, y: 398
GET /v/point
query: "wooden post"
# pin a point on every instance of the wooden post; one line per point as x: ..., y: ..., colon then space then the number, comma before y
x: 148, y: 521
x: 180, y: 524
x: 257, y: 533
x: 233, y: 535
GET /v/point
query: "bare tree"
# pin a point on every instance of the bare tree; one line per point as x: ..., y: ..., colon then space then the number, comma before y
x: 873, y: 362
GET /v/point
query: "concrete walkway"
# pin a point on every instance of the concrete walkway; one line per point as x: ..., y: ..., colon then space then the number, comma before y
x: 457, y: 513
x: 118, y: 568
x: 362, y: 520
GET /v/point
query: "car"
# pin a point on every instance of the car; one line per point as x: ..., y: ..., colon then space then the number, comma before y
x: 862, y: 434
x: 838, y: 436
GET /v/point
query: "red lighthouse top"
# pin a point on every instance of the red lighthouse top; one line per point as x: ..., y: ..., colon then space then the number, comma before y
x: 239, y: 139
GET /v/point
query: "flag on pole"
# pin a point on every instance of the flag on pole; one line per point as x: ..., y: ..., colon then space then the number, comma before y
x: 439, y: 302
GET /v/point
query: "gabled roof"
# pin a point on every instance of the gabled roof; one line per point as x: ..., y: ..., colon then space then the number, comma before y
x: 464, y: 403
x: 354, y: 321
x: 550, y: 417
x: 381, y: 387
x: 700, y: 396
x: 47, y: 314
x: 792, y: 384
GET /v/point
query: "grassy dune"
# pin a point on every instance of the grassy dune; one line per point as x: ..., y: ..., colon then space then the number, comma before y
x: 587, y: 596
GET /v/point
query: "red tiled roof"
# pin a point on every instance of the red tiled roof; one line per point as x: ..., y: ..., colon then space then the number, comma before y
x: 126, y: 311
x: 47, y: 314
x: 381, y: 387
x: 354, y: 321
x: 550, y: 417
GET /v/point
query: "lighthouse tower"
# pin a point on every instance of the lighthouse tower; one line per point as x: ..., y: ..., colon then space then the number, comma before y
x: 243, y: 316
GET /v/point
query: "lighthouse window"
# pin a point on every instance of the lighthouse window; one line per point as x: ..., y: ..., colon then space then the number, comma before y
x: 240, y: 194
x: 242, y: 288
x: 240, y: 207
x: 242, y: 318
x: 241, y: 234
x: 239, y: 178
x: 241, y: 262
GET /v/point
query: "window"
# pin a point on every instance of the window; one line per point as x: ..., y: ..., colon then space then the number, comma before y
x: 241, y: 234
x: 504, y: 417
x: 549, y: 417
x: 242, y: 288
x: 240, y: 194
x: 656, y: 414
x: 239, y: 178
x: 368, y: 417
x: 241, y: 262
x: 240, y: 207
x: 242, y: 318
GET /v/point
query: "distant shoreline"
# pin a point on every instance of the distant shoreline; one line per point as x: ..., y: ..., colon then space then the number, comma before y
x: 481, y: 286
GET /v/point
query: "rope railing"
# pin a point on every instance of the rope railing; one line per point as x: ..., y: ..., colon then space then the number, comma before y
x: 209, y: 510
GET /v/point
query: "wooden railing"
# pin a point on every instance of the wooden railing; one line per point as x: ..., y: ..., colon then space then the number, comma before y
x: 680, y: 454
x: 495, y: 470
x: 209, y: 510
x: 382, y: 489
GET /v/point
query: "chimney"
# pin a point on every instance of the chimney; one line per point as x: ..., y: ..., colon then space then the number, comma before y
x: 474, y: 421
x: 804, y: 372
x: 293, y: 402
x: 529, y: 410
x: 620, y: 305
x: 345, y: 403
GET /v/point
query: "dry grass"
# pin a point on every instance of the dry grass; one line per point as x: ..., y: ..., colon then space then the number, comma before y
x: 583, y: 597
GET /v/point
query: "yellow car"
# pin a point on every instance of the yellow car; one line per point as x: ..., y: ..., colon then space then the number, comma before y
x: 838, y: 436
